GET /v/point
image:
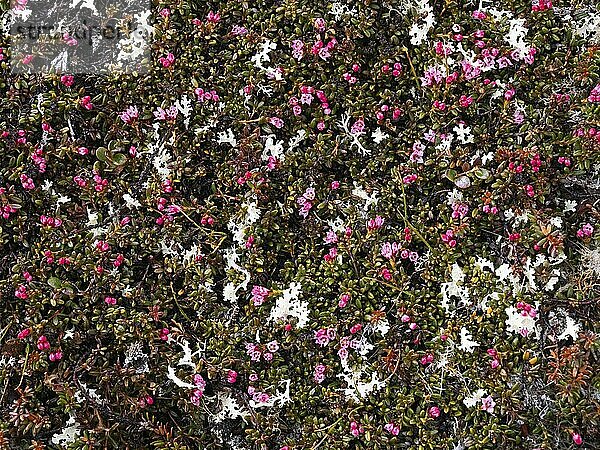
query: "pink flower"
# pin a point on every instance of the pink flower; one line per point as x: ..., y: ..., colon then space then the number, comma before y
x: 386, y: 274
x: 86, y: 102
x: 276, y: 121
x: 49, y: 257
x: 541, y: 5
x: 305, y: 99
x: 21, y: 293
x: 110, y: 301
x: 375, y: 224
x: 343, y: 353
x: 164, y: 334
x: 434, y: 412
x: 320, y: 24
x: 529, y: 190
x: 102, y: 246
x: 356, y: 328
x: 19, y: 5
x: 577, y: 439
x: 55, y: 356
x: 42, y: 343
x: 259, y: 294
x: 231, y: 376
x: 297, y: 49
x: 27, y: 182
x: 129, y: 115
x: 199, y: 381
x: 145, y: 400
x: 427, y: 359
x: 67, y: 80
x: 331, y: 237
x: 309, y: 194
x: 409, y: 179
x: 358, y: 126
x: 323, y: 336
x: 69, y: 40
x: 168, y: 61
x: 331, y: 255
x: 273, y: 346
x: 239, y: 31
x: 166, y: 114
x: 24, y: 333
x: 465, y: 101
x: 448, y: 238
x: 344, y: 299
x: 272, y: 163
x: 594, y: 96
x: 487, y: 404
x: 417, y: 153
x: 196, y: 396
x: 585, y: 231
x: 356, y: 429
x: 213, y: 17
x: 392, y: 428
x: 319, y: 378
x: 387, y: 251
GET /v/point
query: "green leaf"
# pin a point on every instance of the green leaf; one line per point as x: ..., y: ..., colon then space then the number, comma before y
x: 482, y: 173
x: 101, y: 153
x: 55, y: 282
x: 119, y: 159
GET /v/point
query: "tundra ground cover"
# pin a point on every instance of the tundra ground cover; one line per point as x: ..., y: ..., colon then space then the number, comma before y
x: 310, y: 224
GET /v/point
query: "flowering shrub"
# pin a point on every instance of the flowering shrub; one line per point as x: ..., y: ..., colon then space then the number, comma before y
x: 336, y: 225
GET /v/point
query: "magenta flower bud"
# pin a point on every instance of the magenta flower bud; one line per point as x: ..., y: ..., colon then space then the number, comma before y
x: 434, y: 412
